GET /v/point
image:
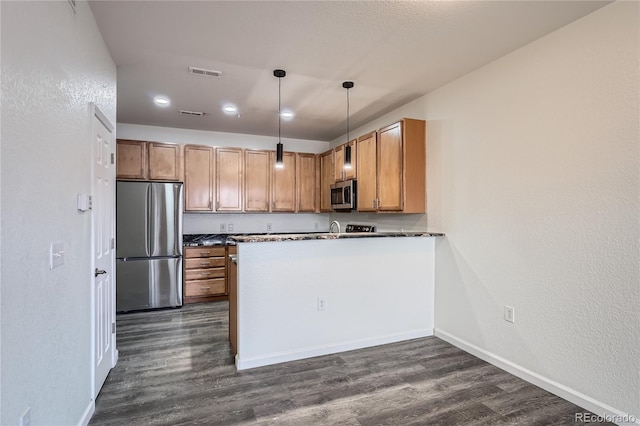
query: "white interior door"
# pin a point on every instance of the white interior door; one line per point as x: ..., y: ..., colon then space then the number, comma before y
x: 103, y: 242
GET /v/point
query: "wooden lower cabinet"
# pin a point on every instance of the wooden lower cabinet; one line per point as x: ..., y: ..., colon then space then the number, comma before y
x: 205, y: 277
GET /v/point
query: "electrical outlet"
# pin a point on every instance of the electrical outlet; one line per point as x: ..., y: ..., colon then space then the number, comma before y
x: 25, y: 419
x: 509, y: 314
x: 230, y: 227
x: 322, y: 304
x: 269, y: 227
x: 223, y: 227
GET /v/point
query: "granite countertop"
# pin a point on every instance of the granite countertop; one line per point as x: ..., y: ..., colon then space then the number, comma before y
x: 205, y: 240
x: 259, y: 238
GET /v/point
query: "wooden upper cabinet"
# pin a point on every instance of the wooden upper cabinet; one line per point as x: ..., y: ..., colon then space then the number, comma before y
x: 401, y: 168
x: 198, y: 181
x: 257, y: 180
x: 326, y: 180
x: 229, y: 179
x: 338, y: 164
x: 390, y: 156
x: 367, y: 169
x: 341, y: 173
x: 307, y: 182
x: 283, y: 186
x: 165, y: 161
x: 414, y: 165
x: 131, y: 160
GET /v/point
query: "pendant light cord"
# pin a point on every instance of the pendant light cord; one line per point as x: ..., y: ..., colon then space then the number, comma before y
x: 348, y: 138
x: 279, y: 107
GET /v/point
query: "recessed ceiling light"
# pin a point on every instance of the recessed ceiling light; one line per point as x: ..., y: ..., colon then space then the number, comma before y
x: 230, y: 109
x: 161, y: 101
x: 287, y: 115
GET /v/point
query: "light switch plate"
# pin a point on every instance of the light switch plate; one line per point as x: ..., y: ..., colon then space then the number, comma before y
x: 56, y: 255
x: 84, y: 202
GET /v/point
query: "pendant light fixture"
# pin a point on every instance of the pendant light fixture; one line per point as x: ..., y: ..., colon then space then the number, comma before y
x: 347, y: 149
x: 279, y: 148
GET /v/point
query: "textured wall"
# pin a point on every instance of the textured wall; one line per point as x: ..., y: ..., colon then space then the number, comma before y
x: 539, y: 195
x: 533, y: 173
x: 54, y: 63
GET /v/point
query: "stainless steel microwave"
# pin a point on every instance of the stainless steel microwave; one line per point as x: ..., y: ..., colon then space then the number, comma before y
x: 343, y: 195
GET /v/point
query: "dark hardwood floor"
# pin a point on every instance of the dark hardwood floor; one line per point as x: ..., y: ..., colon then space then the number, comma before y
x: 176, y: 368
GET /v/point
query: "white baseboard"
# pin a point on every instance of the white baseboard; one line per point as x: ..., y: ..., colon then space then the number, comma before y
x: 88, y: 413
x: 599, y: 408
x: 246, y: 363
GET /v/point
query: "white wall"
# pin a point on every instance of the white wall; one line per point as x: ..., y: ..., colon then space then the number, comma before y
x: 279, y: 284
x: 533, y: 173
x: 54, y: 63
x: 243, y: 223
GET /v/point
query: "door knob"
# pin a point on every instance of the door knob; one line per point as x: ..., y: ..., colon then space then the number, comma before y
x: 100, y: 272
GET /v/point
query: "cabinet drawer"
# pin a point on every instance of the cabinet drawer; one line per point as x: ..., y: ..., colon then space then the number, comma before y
x: 203, y: 274
x: 204, y: 287
x: 192, y: 252
x: 204, y: 262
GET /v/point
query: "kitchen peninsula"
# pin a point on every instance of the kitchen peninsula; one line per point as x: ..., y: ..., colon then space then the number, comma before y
x: 304, y: 295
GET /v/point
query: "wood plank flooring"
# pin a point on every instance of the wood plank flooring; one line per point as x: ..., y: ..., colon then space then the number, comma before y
x: 176, y: 368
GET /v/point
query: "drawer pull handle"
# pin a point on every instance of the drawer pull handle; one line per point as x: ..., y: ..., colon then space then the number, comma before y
x: 204, y: 264
x: 204, y: 253
x: 205, y: 288
x: 204, y: 273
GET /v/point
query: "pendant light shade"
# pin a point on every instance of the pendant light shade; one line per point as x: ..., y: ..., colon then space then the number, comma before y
x: 279, y: 162
x: 279, y: 147
x: 347, y: 150
x: 347, y: 157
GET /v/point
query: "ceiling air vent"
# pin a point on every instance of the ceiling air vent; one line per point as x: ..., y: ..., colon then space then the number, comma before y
x: 196, y: 113
x: 202, y: 71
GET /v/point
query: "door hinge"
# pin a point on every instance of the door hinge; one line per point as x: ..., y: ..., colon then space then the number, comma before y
x: 113, y: 328
x: 113, y: 158
x: 113, y: 243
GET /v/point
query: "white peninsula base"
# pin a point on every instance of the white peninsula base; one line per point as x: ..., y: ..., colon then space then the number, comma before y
x: 300, y: 299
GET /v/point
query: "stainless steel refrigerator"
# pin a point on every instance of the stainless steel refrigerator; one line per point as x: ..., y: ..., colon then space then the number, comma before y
x: 148, y: 245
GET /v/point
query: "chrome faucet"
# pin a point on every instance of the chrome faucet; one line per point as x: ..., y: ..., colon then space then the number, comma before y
x: 335, y: 222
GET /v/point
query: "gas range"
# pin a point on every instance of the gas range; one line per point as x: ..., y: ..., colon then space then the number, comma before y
x: 354, y: 227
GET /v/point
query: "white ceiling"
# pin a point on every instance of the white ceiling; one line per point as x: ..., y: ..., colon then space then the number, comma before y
x: 394, y: 51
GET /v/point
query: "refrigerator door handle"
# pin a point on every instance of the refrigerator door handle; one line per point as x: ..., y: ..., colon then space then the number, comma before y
x: 148, y: 224
x: 178, y: 197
